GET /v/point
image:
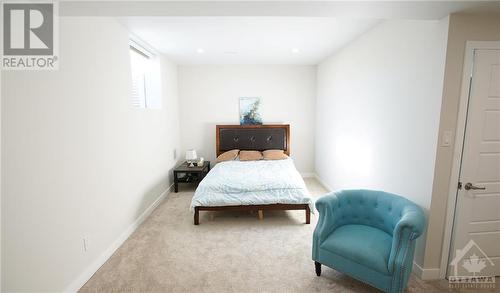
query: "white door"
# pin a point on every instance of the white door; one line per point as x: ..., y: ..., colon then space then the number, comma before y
x: 477, y: 215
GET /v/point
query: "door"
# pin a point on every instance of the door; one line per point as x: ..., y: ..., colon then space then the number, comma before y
x: 477, y: 214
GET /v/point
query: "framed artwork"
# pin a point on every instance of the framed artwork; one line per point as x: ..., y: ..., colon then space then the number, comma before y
x: 250, y: 111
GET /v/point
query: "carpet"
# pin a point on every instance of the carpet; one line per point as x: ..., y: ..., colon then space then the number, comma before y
x: 227, y: 252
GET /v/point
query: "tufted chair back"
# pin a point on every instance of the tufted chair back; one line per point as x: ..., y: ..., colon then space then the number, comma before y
x: 378, y: 209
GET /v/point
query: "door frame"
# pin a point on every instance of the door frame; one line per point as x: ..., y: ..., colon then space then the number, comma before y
x: 470, y: 48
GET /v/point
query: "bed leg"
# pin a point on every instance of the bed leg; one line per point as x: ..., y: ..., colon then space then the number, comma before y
x: 308, y: 215
x: 261, y: 215
x: 196, y: 216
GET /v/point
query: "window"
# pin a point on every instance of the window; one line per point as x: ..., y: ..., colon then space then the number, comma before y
x: 145, y: 77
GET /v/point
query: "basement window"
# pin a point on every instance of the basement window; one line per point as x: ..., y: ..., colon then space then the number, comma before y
x: 145, y: 71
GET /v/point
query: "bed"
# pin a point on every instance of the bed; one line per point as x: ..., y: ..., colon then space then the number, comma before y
x: 252, y: 185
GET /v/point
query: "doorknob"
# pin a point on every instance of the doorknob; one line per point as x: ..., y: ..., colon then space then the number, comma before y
x: 469, y: 186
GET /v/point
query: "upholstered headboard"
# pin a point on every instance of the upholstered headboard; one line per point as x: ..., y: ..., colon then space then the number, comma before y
x: 253, y: 137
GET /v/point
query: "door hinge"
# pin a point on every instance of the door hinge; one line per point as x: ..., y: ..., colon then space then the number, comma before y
x: 459, y: 185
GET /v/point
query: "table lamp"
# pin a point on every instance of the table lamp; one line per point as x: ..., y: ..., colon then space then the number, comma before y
x: 191, y: 157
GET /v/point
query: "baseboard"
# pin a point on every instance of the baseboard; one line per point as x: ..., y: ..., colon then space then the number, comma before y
x: 323, y: 182
x: 308, y: 175
x: 90, y: 271
x: 425, y: 274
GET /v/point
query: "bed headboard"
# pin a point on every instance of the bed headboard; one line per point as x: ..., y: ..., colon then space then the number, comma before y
x: 253, y: 137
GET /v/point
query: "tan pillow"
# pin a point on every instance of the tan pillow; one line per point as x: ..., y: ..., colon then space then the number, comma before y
x: 227, y: 156
x: 250, y: 156
x: 274, y: 155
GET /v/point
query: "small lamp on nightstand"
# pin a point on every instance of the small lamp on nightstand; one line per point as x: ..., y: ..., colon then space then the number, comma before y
x: 191, y: 157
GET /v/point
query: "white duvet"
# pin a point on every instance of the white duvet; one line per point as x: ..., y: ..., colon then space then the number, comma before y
x: 252, y: 183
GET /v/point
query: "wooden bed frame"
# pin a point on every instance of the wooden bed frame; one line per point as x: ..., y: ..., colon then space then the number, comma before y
x: 250, y: 140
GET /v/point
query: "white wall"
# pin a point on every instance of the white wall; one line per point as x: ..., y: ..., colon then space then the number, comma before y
x: 378, y: 108
x: 78, y: 160
x: 209, y: 95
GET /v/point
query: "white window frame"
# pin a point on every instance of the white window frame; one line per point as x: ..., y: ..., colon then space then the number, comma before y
x: 141, y: 48
x: 152, y: 84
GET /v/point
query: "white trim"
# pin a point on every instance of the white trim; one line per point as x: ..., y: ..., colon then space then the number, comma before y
x: 142, y: 46
x: 307, y: 174
x: 96, y: 264
x: 142, y: 51
x: 323, y: 182
x: 457, y: 152
x: 315, y: 176
x: 425, y: 274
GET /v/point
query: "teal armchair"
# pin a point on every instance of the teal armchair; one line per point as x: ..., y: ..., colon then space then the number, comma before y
x: 368, y: 235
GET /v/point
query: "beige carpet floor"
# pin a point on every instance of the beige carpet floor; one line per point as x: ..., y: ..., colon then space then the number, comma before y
x: 227, y: 252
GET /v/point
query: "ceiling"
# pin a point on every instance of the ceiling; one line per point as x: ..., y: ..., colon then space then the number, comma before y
x: 260, y: 32
x: 246, y: 40
x: 392, y: 9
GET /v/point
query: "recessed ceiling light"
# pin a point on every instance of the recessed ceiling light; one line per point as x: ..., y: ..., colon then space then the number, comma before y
x: 295, y: 50
x: 200, y: 51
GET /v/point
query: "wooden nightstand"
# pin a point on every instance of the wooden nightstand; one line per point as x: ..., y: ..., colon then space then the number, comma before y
x: 185, y: 174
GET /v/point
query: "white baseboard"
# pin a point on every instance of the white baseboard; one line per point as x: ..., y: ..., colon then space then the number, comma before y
x: 94, y: 266
x: 425, y: 274
x: 308, y: 174
x: 314, y: 175
x: 323, y: 182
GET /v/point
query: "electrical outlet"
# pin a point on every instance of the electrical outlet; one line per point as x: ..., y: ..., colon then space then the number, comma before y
x: 85, y: 244
x: 175, y: 154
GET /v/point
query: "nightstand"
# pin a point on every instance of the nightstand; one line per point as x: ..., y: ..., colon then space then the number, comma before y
x: 185, y: 174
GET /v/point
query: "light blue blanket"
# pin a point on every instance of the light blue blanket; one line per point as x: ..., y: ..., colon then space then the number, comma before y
x: 252, y: 183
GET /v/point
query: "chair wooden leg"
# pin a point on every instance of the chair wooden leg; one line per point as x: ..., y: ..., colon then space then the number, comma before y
x: 317, y: 265
x: 261, y: 215
x: 196, y: 216
x: 308, y: 215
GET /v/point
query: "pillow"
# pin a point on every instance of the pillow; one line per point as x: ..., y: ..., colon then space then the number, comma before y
x: 227, y: 156
x: 250, y: 156
x: 274, y: 155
